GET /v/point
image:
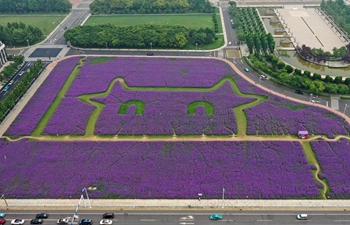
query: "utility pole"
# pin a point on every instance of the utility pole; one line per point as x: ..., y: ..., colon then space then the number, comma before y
x: 223, y: 197
x: 3, y: 197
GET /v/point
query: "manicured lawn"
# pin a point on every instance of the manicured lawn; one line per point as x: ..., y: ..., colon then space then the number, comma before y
x: 45, y: 22
x: 191, y: 21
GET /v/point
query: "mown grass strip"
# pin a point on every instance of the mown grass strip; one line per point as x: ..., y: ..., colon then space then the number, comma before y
x: 56, y: 102
x: 312, y: 160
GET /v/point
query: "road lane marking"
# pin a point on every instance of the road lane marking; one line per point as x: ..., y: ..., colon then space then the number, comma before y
x: 184, y: 223
x: 263, y: 220
x: 147, y: 220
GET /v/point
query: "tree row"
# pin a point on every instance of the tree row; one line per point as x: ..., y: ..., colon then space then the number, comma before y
x: 34, y: 6
x: 141, y: 36
x: 18, y: 34
x: 149, y: 6
x: 20, y: 89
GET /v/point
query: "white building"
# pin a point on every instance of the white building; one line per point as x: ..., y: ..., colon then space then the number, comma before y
x: 3, y: 55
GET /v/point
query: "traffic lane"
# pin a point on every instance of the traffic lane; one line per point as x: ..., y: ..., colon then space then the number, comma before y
x: 76, y: 20
x: 230, y: 34
x: 191, y: 218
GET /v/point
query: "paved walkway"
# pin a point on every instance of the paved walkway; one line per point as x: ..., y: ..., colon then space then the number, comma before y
x: 218, y: 204
x: 307, y: 27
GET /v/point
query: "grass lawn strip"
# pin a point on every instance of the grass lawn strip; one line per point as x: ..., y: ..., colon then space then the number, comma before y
x: 56, y: 102
x: 311, y: 158
x: 46, y: 23
x: 191, y: 21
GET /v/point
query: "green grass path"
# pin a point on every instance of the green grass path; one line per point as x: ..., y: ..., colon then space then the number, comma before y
x: 312, y: 160
x: 56, y: 102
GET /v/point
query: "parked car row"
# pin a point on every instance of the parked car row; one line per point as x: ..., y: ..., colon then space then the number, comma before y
x: 39, y: 219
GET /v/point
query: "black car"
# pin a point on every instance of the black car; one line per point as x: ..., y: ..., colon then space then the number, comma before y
x: 108, y: 215
x: 150, y: 53
x: 42, y: 215
x: 299, y: 92
x: 36, y: 221
x: 86, y: 222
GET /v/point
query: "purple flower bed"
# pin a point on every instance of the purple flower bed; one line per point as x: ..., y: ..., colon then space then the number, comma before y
x: 155, y: 169
x: 30, y: 116
x: 70, y: 117
x: 166, y: 112
x: 153, y: 72
x: 275, y: 116
x: 334, y: 159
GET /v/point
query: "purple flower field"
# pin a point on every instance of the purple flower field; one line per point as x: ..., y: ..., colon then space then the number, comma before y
x: 334, y: 158
x: 30, y: 116
x: 151, y: 72
x: 274, y: 116
x: 69, y: 118
x: 179, y: 169
x: 166, y: 112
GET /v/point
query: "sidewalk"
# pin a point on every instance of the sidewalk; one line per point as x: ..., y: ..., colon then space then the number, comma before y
x: 173, y: 204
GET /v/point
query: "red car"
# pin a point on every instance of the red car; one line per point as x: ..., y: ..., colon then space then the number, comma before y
x: 2, y: 221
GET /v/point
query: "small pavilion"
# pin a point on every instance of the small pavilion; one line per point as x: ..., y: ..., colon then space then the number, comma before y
x: 302, y: 134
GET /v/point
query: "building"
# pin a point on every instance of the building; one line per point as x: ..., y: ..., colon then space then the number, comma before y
x: 3, y: 54
x: 302, y: 134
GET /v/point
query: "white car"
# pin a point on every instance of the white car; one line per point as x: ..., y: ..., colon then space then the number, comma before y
x: 263, y: 77
x: 302, y: 216
x: 63, y: 221
x: 105, y: 221
x: 17, y: 221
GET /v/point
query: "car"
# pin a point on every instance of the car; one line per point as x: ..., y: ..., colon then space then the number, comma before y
x: 150, y: 53
x: 108, y: 215
x: 63, y: 221
x: 302, y: 217
x: 2, y: 215
x: 215, y: 217
x: 11, y: 82
x: 230, y: 43
x: 2, y: 221
x: 263, y: 77
x: 106, y: 221
x: 6, y: 88
x: 21, y: 73
x: 42, y: 215
x: 299, y: 92
x: 65, y: 28
x: 86, y: 222
x: 18, y: 221
x: 246, y: 69
x: 36, y: 221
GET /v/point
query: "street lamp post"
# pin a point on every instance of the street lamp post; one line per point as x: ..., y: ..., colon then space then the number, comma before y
x: 151, y: 45
x: 346, y: 106
x: 28, y: 42
x: 223, y: 197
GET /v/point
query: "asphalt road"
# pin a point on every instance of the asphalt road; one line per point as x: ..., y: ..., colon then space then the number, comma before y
x: 17, y: 77
x: 73, y: 20
x: 230, y: 32
x: 191, y: 217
